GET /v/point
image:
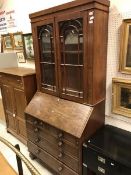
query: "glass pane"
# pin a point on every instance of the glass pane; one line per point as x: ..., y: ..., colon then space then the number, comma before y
x: 46, y: 42
x: 126, y: 98
x: 45, y: 34
x: 71, y: 40
x: 47, y: 57
x: 71, y: 58
x: 48, y: 76
x: 72, y: 81
x: 128, y: 57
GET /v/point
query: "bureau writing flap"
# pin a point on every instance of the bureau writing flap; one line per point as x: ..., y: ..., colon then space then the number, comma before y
x: 66, y: 115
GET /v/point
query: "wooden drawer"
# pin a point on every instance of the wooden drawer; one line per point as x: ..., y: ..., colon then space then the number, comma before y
x: 49, y: 160
x: 101, y: 164
x: 53, y: 131
x: 60, y: 153
x: 59, y: 143
x: 15, y: 81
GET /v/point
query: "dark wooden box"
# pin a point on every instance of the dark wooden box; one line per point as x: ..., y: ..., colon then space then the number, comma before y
x: 108, y: 152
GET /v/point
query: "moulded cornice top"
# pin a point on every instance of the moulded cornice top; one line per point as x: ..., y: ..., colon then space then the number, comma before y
x: 67, y: 6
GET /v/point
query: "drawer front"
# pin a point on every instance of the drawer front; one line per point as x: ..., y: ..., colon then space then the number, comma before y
x: 60, y: 143
x: 60, y: 154
x: 101, y: 165
x: 53, y: 131
x: 15, y: 81
x: 49, y: 160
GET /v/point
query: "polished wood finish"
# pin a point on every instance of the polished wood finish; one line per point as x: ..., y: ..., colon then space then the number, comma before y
x: 70, y: 46
x: 18, y: 71
x: 58, y: 71
x: 18, y: 85
x: 62, y: 129
x: 69, y: 5
x: 51, y: 162
x: 57, y: 113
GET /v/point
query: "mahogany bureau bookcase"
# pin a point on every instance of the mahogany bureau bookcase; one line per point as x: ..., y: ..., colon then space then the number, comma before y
x: 18, y: 85
x: 70, y: 45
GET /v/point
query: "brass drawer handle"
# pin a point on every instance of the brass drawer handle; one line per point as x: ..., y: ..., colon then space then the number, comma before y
x: 19, y: 81
x: 60, y: 144
x: 60, y: 155
x: 35, y: 122
x: 60, y: 135
x: 37, y: 140
x: 37, y: 151
x: 60, y: 169
x: 36, y: 130
x: 77, y: 142
x: 41, y: 123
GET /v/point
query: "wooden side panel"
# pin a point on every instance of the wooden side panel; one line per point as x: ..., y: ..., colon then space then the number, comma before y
x: 100, y: 55
x: 96, y: 120
x: 29, y: 87
x: 89, y: 57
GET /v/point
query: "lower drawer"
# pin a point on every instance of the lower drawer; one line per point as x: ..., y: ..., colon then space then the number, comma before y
x: 49, y: 160
x: 100, y: 164
x: 52, y: 149
x: 68, y: 148
x: 52, y: 130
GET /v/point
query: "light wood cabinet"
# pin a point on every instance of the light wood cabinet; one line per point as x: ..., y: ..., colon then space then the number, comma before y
x: 18, y: 85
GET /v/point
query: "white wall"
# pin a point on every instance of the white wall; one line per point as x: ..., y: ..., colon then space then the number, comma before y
x: 119, y: 9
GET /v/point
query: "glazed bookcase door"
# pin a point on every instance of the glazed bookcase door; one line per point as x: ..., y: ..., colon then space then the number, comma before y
x: 71, y: 58
x: 47, y: 61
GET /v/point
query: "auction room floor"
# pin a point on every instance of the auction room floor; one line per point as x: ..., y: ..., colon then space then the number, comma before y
x: 10, y: 156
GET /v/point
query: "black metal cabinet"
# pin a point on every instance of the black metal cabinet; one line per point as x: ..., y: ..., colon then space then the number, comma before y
x: 108, y: 152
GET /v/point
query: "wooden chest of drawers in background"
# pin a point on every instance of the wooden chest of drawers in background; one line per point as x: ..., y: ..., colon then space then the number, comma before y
x: 18, y: 86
